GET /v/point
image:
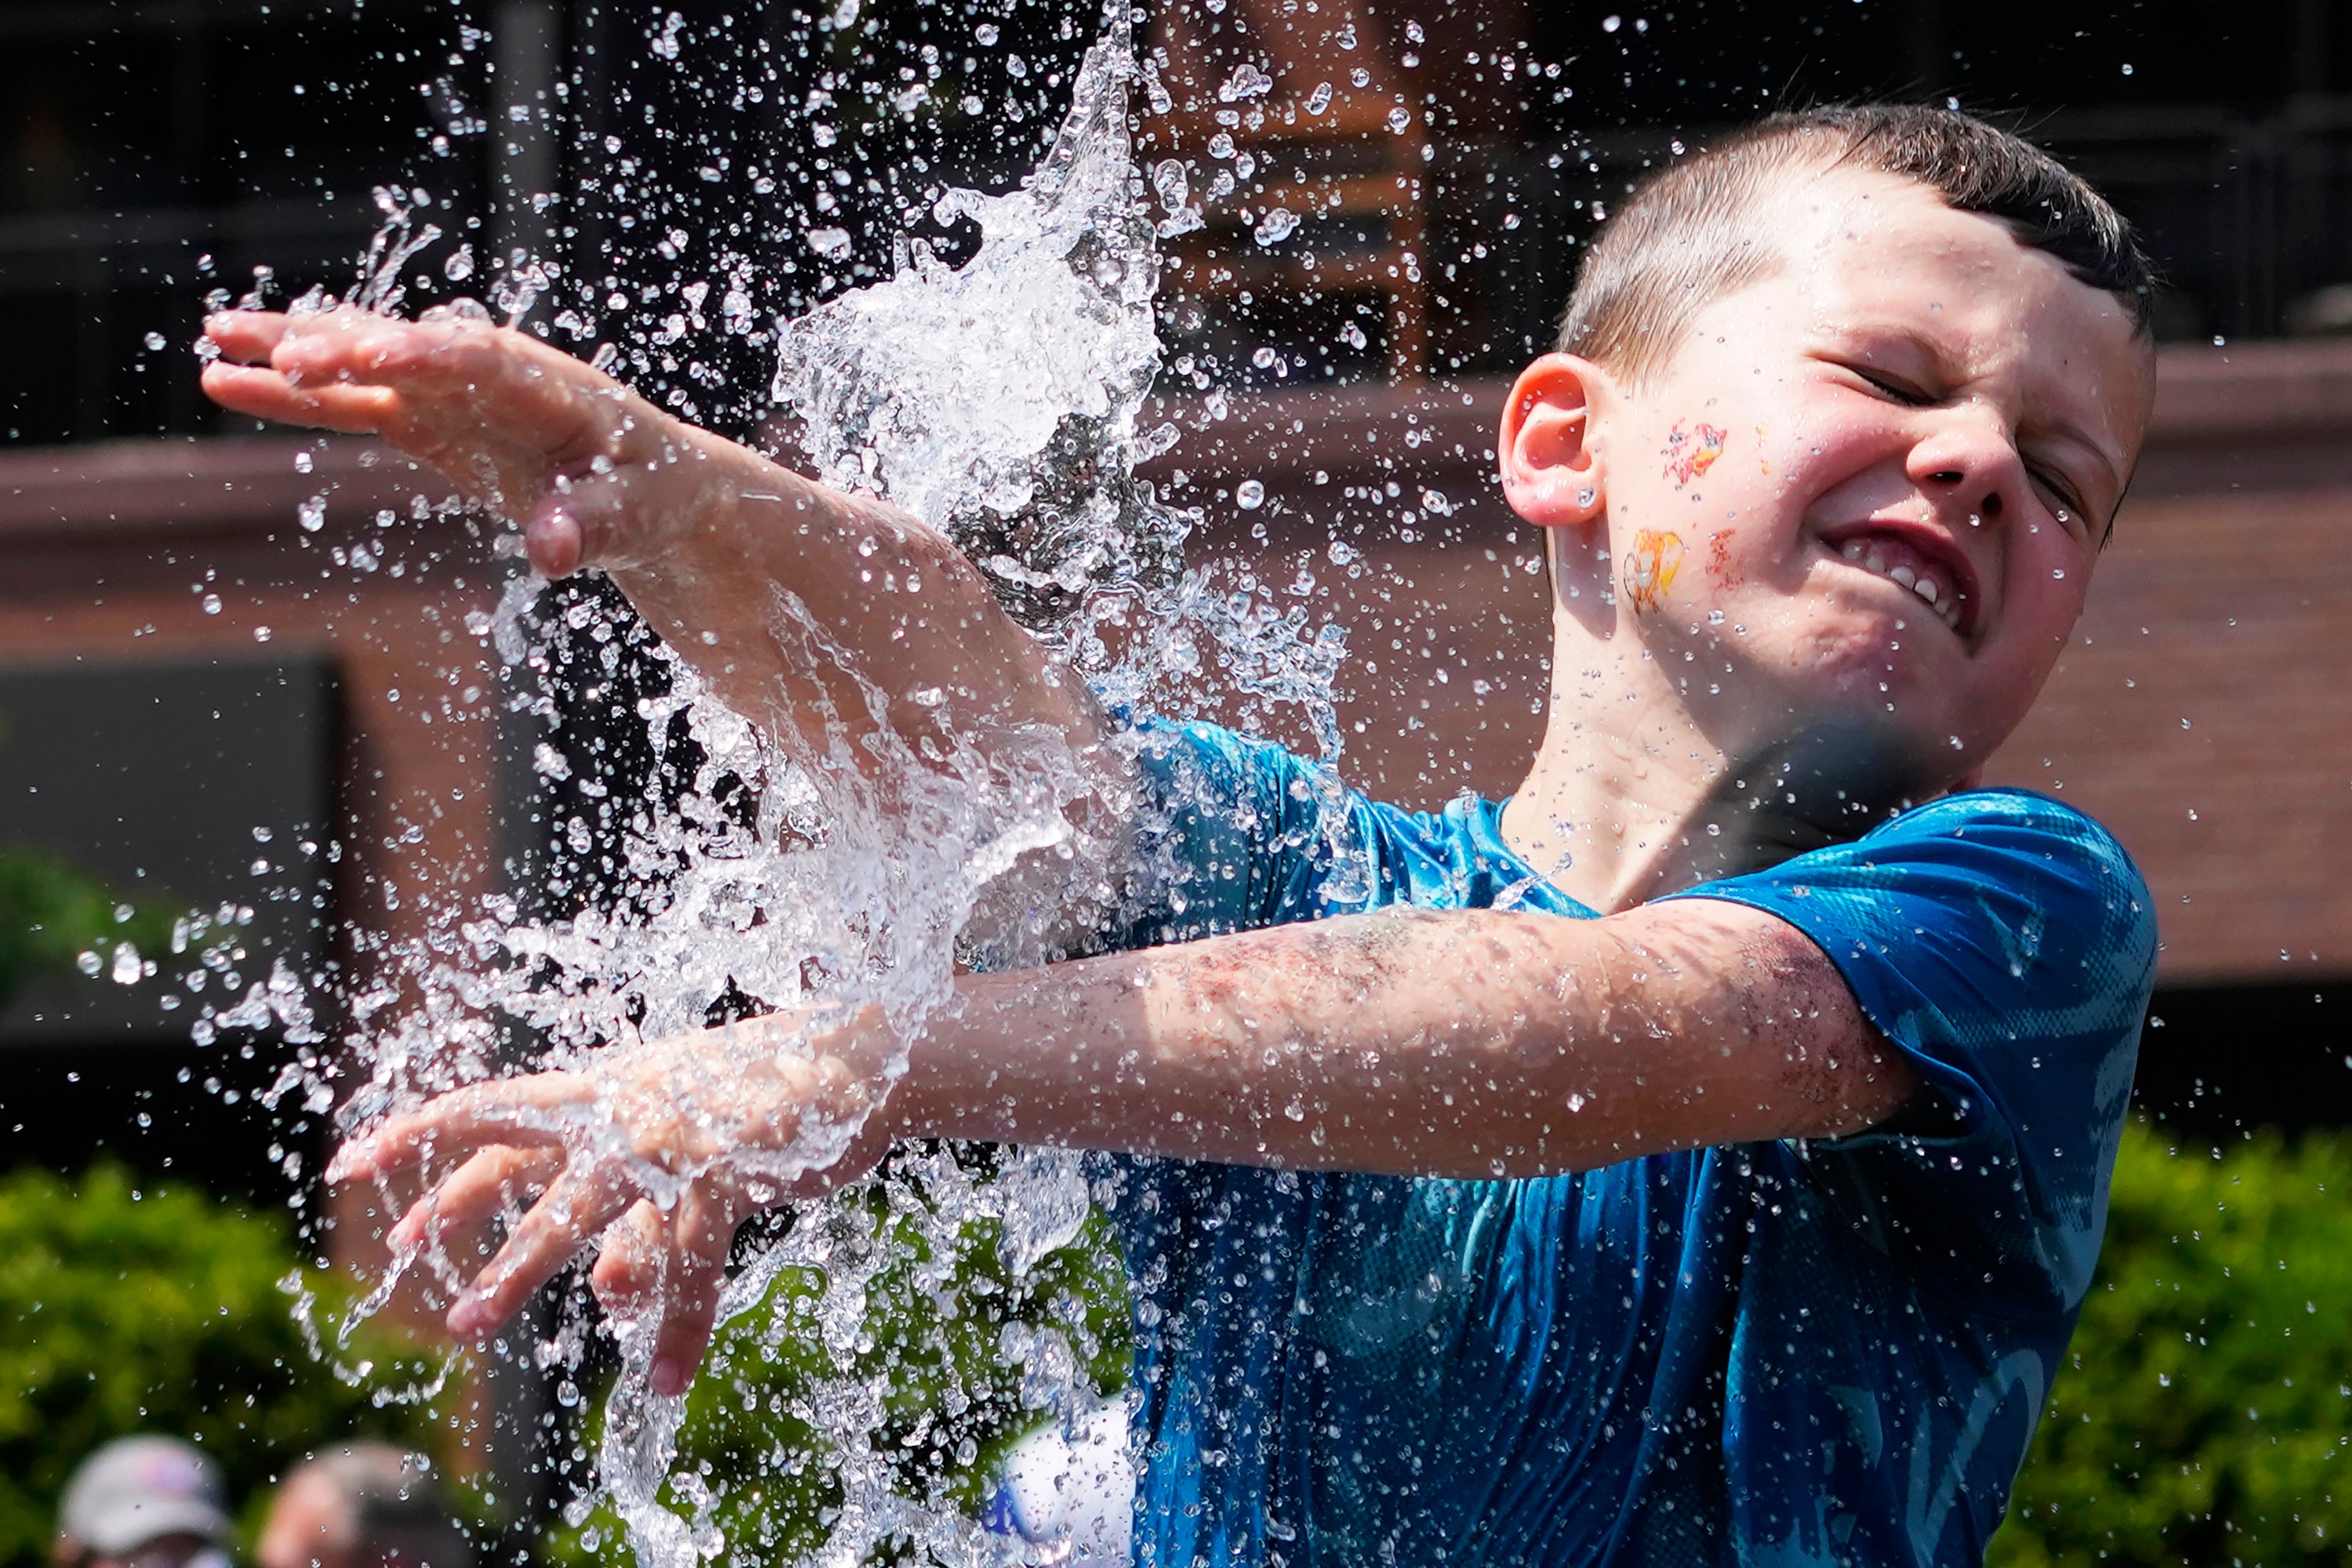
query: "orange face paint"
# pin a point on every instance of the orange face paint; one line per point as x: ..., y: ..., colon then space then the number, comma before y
x: 1650, y: 567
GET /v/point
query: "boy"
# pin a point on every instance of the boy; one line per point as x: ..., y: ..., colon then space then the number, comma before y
x: 1698, y: 1158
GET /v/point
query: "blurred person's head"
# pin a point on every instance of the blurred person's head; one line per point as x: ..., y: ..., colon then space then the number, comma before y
x: 366, y: 1505
x: 143, y: 1503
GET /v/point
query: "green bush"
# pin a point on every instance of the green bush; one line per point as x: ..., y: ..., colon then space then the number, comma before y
x: 157, y: 1309
x: 931, y: 1338
x: 2205, y: 1417
x: 51, y: 912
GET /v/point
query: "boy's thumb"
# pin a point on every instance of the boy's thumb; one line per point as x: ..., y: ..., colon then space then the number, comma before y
x: 553, y: 539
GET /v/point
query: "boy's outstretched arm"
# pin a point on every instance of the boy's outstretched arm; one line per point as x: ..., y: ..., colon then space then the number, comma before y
x: 1447, y: 1043
x: 1463, y: 1043
x: 706, y: 537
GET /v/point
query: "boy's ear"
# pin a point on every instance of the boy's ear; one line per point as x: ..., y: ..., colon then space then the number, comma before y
x: 1552, y: 476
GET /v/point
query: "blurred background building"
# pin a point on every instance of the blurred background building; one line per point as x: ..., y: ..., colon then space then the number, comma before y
x: 236, y: 669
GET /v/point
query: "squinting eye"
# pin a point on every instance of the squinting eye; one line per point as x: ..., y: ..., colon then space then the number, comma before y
x: 1902, y: 391
x: 2069, y: 509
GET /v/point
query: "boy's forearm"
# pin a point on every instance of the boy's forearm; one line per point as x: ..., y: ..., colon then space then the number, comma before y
x: 1463, y: 1043
x: 776, y: 577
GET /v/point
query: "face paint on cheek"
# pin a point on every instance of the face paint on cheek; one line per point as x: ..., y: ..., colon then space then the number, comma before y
x: 1762, y: 462
x: 1719, y: 558
x: 1650, y: 568
x: 1690, y: 453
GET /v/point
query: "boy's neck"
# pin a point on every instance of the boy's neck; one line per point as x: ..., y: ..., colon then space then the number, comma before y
x: 1629, y: 798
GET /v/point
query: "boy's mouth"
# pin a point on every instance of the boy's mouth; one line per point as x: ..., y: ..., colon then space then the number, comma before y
x: 1917, y: 560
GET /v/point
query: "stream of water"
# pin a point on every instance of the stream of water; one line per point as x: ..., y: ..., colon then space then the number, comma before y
x: 1000, y: 400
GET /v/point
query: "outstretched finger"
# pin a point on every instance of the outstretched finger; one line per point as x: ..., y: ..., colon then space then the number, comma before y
x: 266, y: 393
x: 512, y: 1111
x: 576, y: 1207
x: 632, y: 1259
x: 247, y: 337
x: 525, y: 390
x: 705, y: 1232
x: 478, y: 1189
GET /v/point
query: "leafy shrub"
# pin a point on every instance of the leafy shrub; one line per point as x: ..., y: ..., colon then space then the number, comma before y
x: 2205, y: 1417
x: 933, y: 1339
x: 51, y: 912
x: 127, y: 1310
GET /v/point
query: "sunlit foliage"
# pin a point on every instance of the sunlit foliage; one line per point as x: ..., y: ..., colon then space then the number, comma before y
x: 2205, y: 1417
x: 944, y: 1342
x: 128, y: 1308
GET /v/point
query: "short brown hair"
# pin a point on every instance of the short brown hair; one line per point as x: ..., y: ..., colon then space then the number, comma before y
x: 1689, y: 236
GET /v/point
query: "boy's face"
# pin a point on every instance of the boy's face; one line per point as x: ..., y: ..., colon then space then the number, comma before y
x: 1867, y: 491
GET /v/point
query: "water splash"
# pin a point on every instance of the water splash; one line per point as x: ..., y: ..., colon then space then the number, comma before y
x: 998, y: 401
x: 1001, y: 402
x: 837, y: 868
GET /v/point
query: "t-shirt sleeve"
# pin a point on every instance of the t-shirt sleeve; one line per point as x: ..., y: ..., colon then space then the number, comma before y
x: 2007, y: 945
x: 1236, y: 833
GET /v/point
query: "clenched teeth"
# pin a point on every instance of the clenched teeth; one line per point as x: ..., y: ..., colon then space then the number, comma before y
x: 1939, y: 596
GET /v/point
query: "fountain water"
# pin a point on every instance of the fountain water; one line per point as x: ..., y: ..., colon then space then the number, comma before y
x: 998, y: 400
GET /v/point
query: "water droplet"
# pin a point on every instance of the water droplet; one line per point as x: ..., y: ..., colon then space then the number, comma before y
x: 1611, y: 24
x: 312, y: 513
x: 830, y: 243
x: 1276, y: 226
x: 1246, y: 81
x: 1320, y: 99
x: 1249, y: 495
x: 126, y: 968
x: 1168, y: 180
x: 1400, y: 118
x: 460, y: 264
x: 212, y: 604
x: 155, y: 342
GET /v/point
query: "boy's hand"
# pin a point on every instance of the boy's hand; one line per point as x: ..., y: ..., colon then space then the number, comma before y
x: 592, y: 473
x: 702, y: 534
x: 692, y: 1116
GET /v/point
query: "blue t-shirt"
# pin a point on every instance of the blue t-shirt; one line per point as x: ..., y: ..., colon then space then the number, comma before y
x: 1771, y: 1353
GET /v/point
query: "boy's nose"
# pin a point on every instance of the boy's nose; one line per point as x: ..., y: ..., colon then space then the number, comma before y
x: 1988, y: 506
x: 1967, y: 462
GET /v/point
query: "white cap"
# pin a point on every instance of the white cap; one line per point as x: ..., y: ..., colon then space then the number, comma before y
x: 137, y: 1490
